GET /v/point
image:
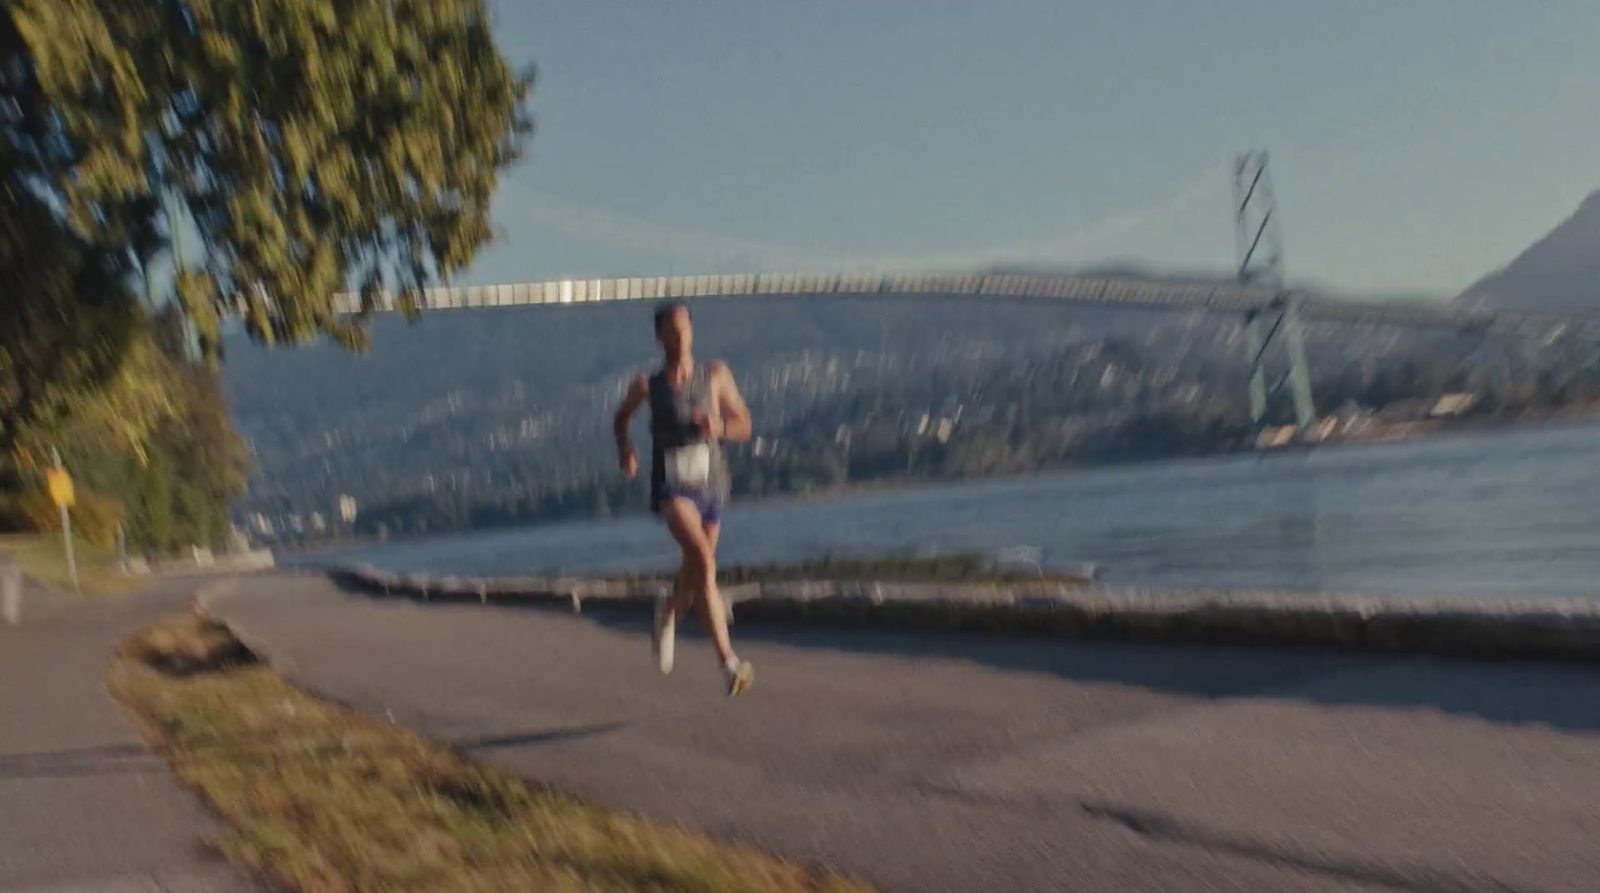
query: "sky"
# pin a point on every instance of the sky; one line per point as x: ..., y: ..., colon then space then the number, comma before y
x: 1416, y: 145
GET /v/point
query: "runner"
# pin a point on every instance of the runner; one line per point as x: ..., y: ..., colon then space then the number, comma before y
x: 692, y: 408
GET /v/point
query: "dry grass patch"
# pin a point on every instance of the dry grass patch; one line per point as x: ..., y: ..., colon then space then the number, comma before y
x: 323, y: 798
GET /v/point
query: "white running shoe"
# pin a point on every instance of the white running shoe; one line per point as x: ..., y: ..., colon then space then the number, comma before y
x: 663, y: 635
x: 739, y: 677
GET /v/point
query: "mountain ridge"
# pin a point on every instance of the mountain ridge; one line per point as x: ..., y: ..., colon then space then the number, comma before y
x: 1558, y: 273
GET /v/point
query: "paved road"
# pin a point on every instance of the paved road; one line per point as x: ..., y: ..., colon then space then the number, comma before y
x: 84, y: 805
x: 967, y: 764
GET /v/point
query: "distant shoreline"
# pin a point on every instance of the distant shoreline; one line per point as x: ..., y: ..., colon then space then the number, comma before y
x: 1425, y: 430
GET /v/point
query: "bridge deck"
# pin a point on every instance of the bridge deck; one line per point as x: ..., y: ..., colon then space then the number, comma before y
x: 1109, y: 291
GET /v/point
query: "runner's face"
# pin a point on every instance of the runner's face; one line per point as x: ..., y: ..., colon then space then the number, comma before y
x: 676, y: 334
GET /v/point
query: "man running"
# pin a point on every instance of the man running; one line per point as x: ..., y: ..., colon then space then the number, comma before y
x: 692, y: 408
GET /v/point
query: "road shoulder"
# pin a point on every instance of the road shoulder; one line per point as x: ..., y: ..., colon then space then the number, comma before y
x: 87, y: 805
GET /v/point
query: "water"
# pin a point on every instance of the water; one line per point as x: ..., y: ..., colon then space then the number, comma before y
x: 1506, y: 513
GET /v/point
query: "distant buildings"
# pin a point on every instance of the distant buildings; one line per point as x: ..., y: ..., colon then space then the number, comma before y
x: 1452, y: 405
x: 1274, y: 437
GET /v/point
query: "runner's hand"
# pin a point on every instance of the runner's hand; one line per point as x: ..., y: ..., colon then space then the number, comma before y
x: 629, y: 460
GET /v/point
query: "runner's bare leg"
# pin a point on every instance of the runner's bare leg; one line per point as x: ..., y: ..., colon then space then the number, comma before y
x: 682, y: 586
x: 682, y: 592
x: 700, y: 560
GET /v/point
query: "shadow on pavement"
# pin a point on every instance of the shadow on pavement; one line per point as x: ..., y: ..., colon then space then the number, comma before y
x: 1517, y: 693
x: 127, y: 759
x: 110, y: 759
x: 488, y: 743
x: 1166, y: 829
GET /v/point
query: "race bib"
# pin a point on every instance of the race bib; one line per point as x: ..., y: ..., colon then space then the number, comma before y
x: 689, y: 466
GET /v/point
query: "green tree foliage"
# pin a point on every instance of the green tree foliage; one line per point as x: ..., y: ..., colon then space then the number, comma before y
x: 153, y: 449
x: 67, y: 319
x: 197, y: 466
x: 312, y: 144
x: 122, y: 414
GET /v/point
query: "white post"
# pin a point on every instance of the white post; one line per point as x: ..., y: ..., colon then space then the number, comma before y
x: 10, y: 592
x: 66, y: 540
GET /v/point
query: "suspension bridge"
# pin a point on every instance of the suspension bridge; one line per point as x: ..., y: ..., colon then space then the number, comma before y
x: 1273, y: 315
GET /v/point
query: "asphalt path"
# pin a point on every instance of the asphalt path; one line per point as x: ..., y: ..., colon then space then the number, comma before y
x: 85, y: 806
x: 967, y: 763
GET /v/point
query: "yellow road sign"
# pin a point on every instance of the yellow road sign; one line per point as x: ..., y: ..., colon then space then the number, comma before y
x: 60, y: 485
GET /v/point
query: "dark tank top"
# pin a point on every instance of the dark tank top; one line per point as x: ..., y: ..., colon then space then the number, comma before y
x: 672, y: 411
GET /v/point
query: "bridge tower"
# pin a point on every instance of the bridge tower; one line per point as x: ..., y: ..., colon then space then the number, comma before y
x: 1260, y: 254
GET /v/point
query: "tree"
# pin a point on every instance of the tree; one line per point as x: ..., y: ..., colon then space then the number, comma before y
x: 208, y: 461
x: 119, y: 416
x: 311, y: 145
x: 308, y: 146
x: 68, y: 320
x: 152, y: 448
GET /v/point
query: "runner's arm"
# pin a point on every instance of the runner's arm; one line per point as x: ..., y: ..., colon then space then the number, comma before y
x: 638, y: 391
x: 730, y: 403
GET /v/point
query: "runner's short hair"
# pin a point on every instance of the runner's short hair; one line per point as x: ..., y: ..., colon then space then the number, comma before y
x: 665, y: 311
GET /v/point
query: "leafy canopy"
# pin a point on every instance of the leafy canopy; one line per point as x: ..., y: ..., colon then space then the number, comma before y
x: 312, y: 145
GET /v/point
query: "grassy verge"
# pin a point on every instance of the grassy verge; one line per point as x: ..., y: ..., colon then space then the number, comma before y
x: 323, y: 798
x: 954, y: 568
x: 43, y: 559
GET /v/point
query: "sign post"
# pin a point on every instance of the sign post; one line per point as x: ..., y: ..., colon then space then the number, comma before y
x: 61, y: 492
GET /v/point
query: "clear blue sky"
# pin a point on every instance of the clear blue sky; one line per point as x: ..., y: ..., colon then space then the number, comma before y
x: 1417, y: 144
